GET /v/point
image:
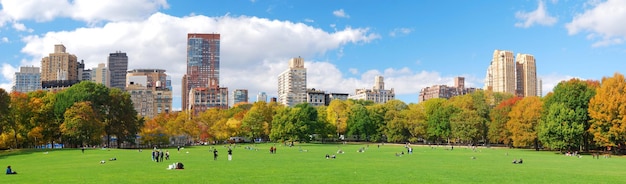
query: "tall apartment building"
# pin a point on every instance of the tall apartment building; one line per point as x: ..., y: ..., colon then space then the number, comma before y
x: 378, y: 94
x: 240, y: 96
x: 526, y: 75
x: 118, y: 66
x: 501, y: 72
x: 539, y: 88
x: 149, y: 91
x: 203, y: 71
x: 59, y: 69
x: 27, y: 79
x: 292, y: 83
x: 516, y: 76
x: 447, y: 92
x: 101, y: 75
x: 261, y: 97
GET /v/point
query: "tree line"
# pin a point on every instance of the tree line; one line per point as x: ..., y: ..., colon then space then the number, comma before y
x: 84, y: 114
x: 576, y: 115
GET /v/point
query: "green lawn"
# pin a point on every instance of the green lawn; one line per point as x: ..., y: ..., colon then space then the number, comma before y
x: 290, y: 165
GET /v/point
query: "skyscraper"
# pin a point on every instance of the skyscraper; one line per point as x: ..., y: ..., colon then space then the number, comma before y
x: 501, y: 72
x: 292, y: 83
x: 59, y: 70
x: 27, y: 79
x: 203, y: 71
x: 59, y: 66
x: 261, y: 97
x: 240, y: 96
x: 517, y: 77
x: 526, y: 75
x: 118, y: 66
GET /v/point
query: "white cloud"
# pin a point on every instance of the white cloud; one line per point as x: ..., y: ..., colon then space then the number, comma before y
x: 340, y: 13
x: 400, y: 32
x: 84, y: 10
x: 539, y: 16
x: 603, y: 22
x: 309, y: 20
x: 5, y: 40
x: 21, y: 27
x: 8, y: 73
x: 353, y: 71
x: 254, y: 51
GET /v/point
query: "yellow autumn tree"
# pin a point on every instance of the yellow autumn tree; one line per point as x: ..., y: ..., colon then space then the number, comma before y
x: 608, y: 111
x: 524, y: 118
x: 337, y: 115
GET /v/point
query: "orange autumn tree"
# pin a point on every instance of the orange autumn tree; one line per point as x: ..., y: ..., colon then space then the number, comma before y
x: 524, y: 118
x: 608, y: 112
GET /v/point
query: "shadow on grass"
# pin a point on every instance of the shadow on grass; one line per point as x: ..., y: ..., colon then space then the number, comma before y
x: 12, y: 152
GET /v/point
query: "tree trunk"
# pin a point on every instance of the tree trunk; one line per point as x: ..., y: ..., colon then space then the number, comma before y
x: 15, y: 137
x: 536, y: 144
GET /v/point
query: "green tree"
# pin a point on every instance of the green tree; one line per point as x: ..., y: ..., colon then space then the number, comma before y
x: 573, y: 97
x: 256, y: 119
x: 96, y: 94
x: 121, y: 119
x: 469, y: 122
x: 416, y: 121
x: 608, y: 112
x: 359, y: 123
x: 5, y: 101
x: 438, y: 112
x: 394, y: 125
x: 326, y: 128
x: 524, y: 121
x: 558, y: 129
x: 81, y: 124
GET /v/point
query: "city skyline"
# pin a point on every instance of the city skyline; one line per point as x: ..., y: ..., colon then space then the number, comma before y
x: 412, y: 44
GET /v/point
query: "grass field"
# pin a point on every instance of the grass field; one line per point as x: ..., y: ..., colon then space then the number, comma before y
x: 291, y: 165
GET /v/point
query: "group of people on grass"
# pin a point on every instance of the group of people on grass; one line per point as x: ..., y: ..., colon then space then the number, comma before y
x: 157, y: 155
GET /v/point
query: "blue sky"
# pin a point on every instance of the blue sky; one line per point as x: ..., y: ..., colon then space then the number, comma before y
x: 413, y: 44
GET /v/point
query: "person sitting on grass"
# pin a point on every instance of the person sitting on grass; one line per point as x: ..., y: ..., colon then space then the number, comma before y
x: 520, y: 161
x: 9, y: 171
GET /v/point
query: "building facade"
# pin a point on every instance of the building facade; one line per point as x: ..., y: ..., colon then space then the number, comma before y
x: 59, y: 70
x: 447, y: 92
x: 315, y: 97
x: 292, y: 84
x: 501, y: 72
x: 202, y: 99
x: 203, y: 71
x: 526, y: 75
x: 240, y: 96
x: 378, y: 94
x: 515, y: 75
x: 149, y: 91
x: 118, y: 66
x: 100, y: 75
x: 59, y: 65
x: 27, y: 79
x: 261, y: 97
